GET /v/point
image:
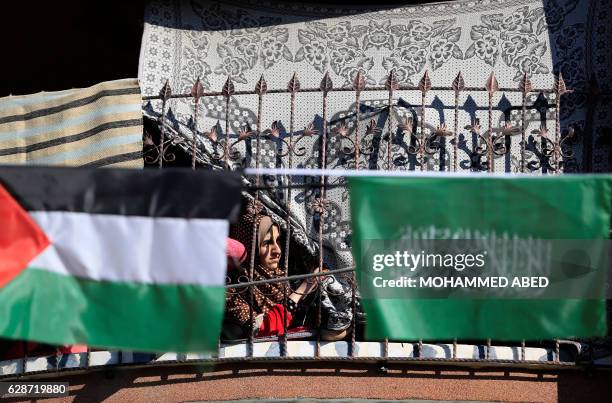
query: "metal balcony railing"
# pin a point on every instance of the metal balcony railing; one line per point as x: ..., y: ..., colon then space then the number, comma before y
x: 356, y: 140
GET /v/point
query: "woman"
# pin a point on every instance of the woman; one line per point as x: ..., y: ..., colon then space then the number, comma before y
x: 268, y: 310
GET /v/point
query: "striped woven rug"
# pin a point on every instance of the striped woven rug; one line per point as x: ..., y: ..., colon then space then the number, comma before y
x: 99, y: 126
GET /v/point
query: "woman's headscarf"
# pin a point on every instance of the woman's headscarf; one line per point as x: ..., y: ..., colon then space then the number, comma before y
x: 266, y: 296
x: 244, y: 233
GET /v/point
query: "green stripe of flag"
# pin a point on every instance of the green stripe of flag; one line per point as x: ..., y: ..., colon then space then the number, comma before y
x: 162, y: 317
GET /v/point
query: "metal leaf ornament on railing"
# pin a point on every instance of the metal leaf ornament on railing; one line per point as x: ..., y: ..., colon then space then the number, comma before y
x: 342, y: 131
x: 166, y: 92
x: 262, y: 86
x: 425, y: 83
x: 367, y: 141
x: 458, y: 83
x: 228, y: 88
x: 326, y: 83
x: 559, y: 86
x: 457, y: 86
x: 492, y: 85
x: 294, y: 84
x: 359, y: 83
x: 197, y: 90
x: 309, y: 131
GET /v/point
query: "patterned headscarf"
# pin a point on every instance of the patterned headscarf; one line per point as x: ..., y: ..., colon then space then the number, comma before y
x: 267, y: 295
x: 244, y: 234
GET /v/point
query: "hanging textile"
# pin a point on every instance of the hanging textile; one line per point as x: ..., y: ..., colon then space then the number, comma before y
x: 99, y: 126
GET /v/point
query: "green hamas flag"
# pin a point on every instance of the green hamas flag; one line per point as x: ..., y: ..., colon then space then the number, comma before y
x: 424, y: 302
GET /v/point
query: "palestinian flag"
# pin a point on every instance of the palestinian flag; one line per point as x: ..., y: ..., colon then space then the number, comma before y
x: 115, y: 258
x: 565, y: 207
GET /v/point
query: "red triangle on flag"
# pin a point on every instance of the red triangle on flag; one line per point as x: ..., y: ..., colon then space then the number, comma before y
x: 21, y: 240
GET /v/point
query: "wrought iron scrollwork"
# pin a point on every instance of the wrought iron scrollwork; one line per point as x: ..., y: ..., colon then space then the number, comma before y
x: 491, y: 144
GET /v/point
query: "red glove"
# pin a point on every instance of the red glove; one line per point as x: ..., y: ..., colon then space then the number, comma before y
x: 273, y: 321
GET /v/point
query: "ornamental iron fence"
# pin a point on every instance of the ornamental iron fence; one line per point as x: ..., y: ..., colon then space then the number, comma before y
x: 387, y: 134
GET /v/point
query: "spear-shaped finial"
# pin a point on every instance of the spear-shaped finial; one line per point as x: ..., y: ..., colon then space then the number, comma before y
x: 492, y: 85
x: 458, y: 83
x: 165, y: 92
x: 391, y: 84
x: 559, y: 87
x: 359, y: 81
x: 425, y: 83
x: 198, y: 89
x: 262, y: 86
x: 326, y: 83
x: 294, y: 83
x: 228, y: 88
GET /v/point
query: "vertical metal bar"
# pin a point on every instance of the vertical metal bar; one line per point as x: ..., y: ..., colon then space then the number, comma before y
x: 458, y: 86
x: 358, y: 86
x: 325, y: 87
x: 424, y: 86
x: 523, y: 350
x: 228, y: 91
x: 543, y: 110
x: 293, y: 86
x: 391, y: 85
x: 165, y: 94
x: 557, y: 351
x: 525, y: 87
x: 386, y: 348
x: 488, y: 349
x: 260, y: 89
x: 557, y: 133
x: 420, y: 348
x: 560, y: 89
x: 253, y: 245
x: 196, y: 92
x: 88, y: 357
x: 454, y: 348
x: 490, y: 159
x: 353, y: 310
x: 492, y: 87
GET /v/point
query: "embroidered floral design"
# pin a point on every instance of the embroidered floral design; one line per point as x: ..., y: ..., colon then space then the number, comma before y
x: 513, y: 45
x: 418, y: 31
x: 335, y: 46
x: 262, y: 41
x: 514, y: 37
x: 315, y: 54
x: 412, y: 57
x: 487, y: 48
x: 378, y: 35
x: 418, y: 42
x: 441, y: 52
x: 402, y: 72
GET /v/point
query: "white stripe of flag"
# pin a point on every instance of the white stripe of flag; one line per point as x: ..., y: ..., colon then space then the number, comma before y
x: 142, y: 249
